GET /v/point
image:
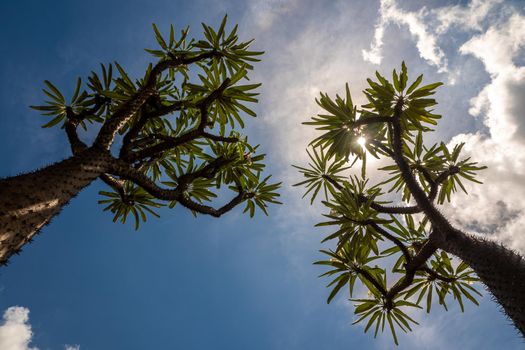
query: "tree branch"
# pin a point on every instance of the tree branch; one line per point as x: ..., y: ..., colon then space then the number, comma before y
x: 411, y: 267
x: 426, y: 174
x: 124, y: 171
x: 440, y: 179
x: 436, y: 275
x: 408, y: 256
x: 129, y: 108
x: 196, y: 132
x: 406, y: 253
x: 208, y: 171
x: 436, y: 218
x: 159, y: 111
x: 374, y: 205
x: 116, y: 184
x: 219, y: 138
x: 74, y: 119
x: 204, y: 209
x: 392, y: 238
x: 77, y: 146
x: 370, y: 279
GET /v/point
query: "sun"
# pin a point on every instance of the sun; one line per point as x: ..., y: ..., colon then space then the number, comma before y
x: 361, y: 141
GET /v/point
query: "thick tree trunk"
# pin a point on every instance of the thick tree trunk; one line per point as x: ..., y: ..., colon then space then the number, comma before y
x: 499, y: 268
x: 29, y: 201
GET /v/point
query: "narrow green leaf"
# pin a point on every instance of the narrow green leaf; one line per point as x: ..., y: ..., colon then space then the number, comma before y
x: 159, y: 37
x: 55, y: 91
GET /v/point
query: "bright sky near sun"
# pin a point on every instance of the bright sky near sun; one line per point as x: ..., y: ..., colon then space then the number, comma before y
x: 234, y: 282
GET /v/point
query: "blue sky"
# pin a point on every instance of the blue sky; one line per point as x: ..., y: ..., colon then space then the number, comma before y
x: 235, y: 282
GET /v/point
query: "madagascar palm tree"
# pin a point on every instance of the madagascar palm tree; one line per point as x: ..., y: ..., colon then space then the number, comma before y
x: 417, y: 236
x: 169, y: 137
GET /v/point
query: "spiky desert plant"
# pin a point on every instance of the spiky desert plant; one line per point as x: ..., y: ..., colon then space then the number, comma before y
x: 413, y: 244
x: 178, y: 138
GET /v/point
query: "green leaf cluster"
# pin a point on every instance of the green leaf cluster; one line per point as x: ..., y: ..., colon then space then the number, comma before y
x: 374, y: 237
x: 134, y: 201
x: 203, y: 89
x: 427, y: 163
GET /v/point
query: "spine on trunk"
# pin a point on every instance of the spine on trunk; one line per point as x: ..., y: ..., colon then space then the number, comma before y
x: 30, y: 201
x: 500, y: 269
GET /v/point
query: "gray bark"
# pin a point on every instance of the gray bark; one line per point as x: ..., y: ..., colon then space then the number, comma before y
x: 500, y: 269
x: 29, y: 201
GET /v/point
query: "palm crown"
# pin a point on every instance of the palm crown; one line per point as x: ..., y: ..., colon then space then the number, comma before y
x: 179, y: 125
x: 375, y: 241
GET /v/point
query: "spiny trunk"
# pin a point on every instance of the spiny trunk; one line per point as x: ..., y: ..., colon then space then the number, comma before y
x: 29, y: 201
x: 499, y: 268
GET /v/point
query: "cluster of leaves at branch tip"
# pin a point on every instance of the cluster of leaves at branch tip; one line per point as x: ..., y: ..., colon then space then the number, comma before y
x: 374, y: 240
x: 193, y: 119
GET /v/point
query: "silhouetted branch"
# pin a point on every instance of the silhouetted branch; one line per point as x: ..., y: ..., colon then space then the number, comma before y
x: 129, y: 108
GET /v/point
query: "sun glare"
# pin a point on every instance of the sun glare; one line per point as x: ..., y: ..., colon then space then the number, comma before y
x: 361, y: 141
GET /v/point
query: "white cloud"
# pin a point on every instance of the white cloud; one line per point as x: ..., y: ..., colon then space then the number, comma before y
x: 468, y: 17
x: 426, y: 26
x: 297, y: 69
x: 374, y: 55
x: 498, y: 46
x: 426, y: 42
x: 15, y: 332
x: 264, y: 13
x: 72, y: 347
x: 497, y: 207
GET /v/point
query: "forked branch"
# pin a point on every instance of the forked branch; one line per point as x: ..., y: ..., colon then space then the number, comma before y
x: 129, y: 108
